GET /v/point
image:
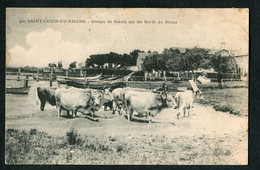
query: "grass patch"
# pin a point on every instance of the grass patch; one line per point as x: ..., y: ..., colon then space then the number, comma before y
x: 232, y: 100
x: 33, y: 131
x: 34, y: 147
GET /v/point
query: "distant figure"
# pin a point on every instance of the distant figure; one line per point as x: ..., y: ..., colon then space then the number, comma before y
x: 26, y: 81
x: 220, y: 81
x: 163, y: 88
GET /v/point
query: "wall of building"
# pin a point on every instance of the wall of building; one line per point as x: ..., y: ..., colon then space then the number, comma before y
x: 242, y: 62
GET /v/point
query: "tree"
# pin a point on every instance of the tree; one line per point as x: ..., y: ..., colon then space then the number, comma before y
x: 149, y: 63
x: 173, y: 57
x: 155, y: 62
x: 96, y: 60
x: 193, y: 58
x: 223, y: 64
x: 73, y: 65
x: 112, y: 59
x: 52, y: 65
x: 60, y: 64
x: 134, y: 56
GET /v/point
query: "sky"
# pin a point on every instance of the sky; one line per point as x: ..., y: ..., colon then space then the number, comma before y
x: 37, y: 44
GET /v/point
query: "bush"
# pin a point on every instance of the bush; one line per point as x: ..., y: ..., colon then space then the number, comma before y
x: 223, y: 108
x: 72, y: 137
x: 33, y: 131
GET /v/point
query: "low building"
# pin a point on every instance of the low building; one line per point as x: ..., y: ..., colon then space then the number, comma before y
x: 242, y: 62
x: 140, y: 60
x: 223, y: 53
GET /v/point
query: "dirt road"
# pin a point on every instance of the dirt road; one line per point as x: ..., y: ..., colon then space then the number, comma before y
x: 215, y: 128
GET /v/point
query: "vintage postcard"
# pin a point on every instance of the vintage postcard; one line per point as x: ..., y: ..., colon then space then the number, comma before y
x: 116, y: 86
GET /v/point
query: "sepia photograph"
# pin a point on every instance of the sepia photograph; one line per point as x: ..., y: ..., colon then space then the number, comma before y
x: 127, y: 86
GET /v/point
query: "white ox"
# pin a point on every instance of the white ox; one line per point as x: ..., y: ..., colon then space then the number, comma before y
x: 184, y: 101
x: 118, y: 97
x: 107, y: 96
x: 78, y: 100
x: 148, y: 103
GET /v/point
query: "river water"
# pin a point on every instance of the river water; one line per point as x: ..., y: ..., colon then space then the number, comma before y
x: 19, y: 104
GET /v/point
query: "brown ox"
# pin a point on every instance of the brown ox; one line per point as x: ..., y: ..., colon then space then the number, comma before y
x: 45, y: 94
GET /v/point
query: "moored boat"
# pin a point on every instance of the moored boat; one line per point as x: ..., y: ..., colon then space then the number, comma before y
x: 97, y: 84
x: 17, y: 90
x: 61, y: 79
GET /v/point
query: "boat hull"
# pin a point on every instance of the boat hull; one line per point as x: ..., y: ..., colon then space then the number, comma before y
x: 17, y: 90
x: 96, y: 84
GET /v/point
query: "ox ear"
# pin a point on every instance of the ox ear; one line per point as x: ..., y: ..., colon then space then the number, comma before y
x: 88, y: 93
x: 107, y: 89
x: 166, y: 92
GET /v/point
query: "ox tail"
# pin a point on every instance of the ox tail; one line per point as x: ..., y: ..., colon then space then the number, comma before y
x: 36, y: 96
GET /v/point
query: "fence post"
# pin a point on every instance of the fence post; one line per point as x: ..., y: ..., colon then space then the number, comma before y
x: 86, y: 84
x: 67, y: 72
x: 38, y: 75
x: 80, y: 72
x: 18, y: 74
x: 51, y: 77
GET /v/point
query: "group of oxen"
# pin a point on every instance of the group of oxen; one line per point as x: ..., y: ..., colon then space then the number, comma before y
x: 121, y: 100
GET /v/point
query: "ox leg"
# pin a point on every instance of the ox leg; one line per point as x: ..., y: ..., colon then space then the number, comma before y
x: 149, y: 117
x: 114, y: 107
x: 130, y: 114
x: 68, y: 113
x: 178, y: 114
x: 72, y: 111
x: 75, y: 112
x: 188, y: 111
x: 92, y: 113
x: 58, y: 110
x: 42, y: 105
x: 119, y: 109
x: 184, y: 112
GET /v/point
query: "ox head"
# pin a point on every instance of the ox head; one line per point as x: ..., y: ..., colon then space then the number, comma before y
x: 165, y: 98
x: 198, y: 95
x: 97, y: 98
x: 107, y: 95
x: 171, y: 102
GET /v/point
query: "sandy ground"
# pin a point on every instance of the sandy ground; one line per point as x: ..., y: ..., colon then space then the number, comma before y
x: 204, y: 122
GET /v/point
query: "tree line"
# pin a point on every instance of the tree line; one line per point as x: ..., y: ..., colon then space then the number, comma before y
x: 191, y: 60
x: 112, y: 60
